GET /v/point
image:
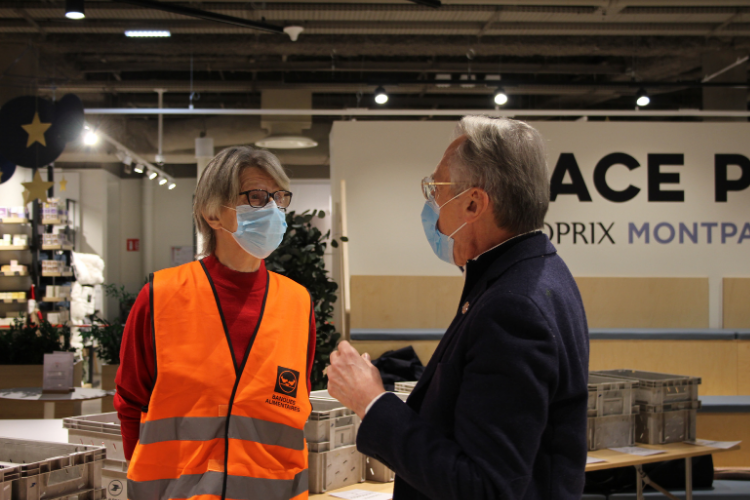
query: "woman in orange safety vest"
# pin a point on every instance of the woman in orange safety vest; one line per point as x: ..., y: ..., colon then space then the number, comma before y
x: 216, y: 356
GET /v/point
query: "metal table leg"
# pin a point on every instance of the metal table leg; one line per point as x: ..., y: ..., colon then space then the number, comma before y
x: 642, y: 478
x: 639, y: 482
x: 688, y: 479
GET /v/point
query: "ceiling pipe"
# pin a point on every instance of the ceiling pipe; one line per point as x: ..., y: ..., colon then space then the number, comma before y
x: 205, y: 15
x: 160, y: 155
x: 418, y: 112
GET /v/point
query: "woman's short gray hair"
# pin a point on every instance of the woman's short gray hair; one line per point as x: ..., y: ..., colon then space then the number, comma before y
x: 505, y: 158
x: 219, y: 185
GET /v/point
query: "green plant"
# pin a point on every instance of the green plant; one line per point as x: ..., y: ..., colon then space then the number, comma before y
x: 26, y: 344
x: 124, y: 298
x: 108, y: 336
x: 300, y: 258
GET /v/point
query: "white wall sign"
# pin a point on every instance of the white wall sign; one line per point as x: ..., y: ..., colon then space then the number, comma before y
x: 629, y: 199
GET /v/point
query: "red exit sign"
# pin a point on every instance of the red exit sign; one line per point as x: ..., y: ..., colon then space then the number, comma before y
x: 134, y: 245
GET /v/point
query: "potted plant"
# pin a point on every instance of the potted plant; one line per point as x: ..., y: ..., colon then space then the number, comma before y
x: 105, y: 337
x: 300, y: 258
x: 22, y: 349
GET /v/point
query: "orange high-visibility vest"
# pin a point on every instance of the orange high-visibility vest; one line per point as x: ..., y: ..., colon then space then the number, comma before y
x: 218, y: 428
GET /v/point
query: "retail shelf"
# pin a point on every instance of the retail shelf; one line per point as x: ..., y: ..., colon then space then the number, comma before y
x: 10, y: 275
x: 14, y: 220
x: 55, y: 299
x: 57, y: 247
x: 57, y: 275
x: 54, y: 222
x: 14, y: 301
x: 11, y: 248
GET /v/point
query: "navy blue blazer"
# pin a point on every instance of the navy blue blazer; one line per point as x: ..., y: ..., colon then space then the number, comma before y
x: 500, y: 412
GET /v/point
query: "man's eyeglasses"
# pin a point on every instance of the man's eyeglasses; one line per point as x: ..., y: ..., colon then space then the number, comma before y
x: 429, y: 187
x: 258, y: 198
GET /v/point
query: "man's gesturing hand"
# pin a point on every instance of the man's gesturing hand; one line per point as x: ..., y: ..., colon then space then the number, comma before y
x: 352, y: 379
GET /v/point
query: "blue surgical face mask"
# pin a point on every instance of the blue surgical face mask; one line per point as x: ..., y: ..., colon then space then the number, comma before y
x: 441, y: 244
x: 259, y: 230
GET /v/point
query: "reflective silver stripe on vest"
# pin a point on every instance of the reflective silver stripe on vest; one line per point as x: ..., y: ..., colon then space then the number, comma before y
x: 211, y: 483
x: 208, y: 428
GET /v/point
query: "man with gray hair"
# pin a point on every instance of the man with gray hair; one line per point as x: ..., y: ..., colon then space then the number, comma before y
x: 500, y: 412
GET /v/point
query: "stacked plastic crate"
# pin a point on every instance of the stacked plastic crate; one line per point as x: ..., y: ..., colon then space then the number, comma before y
x: 668, y: 405
x: 611, y: 412
x: 334, y: 461
x: 103, y: 430
x: 34, y: 470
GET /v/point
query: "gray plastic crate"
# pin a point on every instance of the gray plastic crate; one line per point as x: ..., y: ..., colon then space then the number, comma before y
x: 376, y: 471
x: 331, y: 425
x: 53, y: 470
x: 663, y: 424
x: 115, y: 479
x: 335, y: 469
x: 405, y: 387
x: 658, y: 388
x: 611, y: 396
x: 613, y: 431
x: 102, y: 429
x: 8, y: 474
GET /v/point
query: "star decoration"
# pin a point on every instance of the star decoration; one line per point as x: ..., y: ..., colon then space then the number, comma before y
x: 37, y: 188
x: 36, y: 130
x: 63, y: 184
x: 25, y: 195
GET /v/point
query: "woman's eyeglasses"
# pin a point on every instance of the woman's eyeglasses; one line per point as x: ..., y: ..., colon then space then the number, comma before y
x: 258, y: 198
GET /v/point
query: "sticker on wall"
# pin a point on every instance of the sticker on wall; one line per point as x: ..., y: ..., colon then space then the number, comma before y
x: 34, y: 130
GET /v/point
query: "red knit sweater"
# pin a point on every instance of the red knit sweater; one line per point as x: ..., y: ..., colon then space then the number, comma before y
x: 240, y: 296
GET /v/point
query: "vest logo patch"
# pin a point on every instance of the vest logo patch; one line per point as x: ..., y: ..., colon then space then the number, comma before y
x: 287, y: 381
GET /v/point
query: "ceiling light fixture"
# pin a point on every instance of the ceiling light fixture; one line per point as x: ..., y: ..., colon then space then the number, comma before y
x: 642, y: 98
x: 74, y: 9
x: 138, y: 169
x: 162, y: 181
x: 501, y: 97
x: 152, y: 175
x: 172, y: 186
x: 380, y: 96
x: 293, y: 32
x: 90, y: 138
x: 286, y: 142
x: 148, y: 34
x: 127, y: 160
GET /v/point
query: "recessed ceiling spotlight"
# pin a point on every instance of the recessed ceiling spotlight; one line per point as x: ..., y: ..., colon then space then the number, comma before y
x: 74, y: 9
x: 90, y: 138
x: 148, y: 34
x: 380, y: 96
x: 642, y: 98
x: 501, y: 97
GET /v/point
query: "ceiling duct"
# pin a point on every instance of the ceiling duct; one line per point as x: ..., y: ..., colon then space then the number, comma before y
x: 285, y: 132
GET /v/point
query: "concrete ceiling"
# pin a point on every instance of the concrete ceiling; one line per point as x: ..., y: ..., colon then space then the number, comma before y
x: 546, y: 53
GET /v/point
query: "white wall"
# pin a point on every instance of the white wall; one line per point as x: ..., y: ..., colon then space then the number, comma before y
x: 314, y: 194
x: 383, y: 162
x: 172, y: 220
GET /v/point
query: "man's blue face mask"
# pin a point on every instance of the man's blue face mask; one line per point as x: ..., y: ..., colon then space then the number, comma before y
x: 259, y: 230
x: 441, y: 244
